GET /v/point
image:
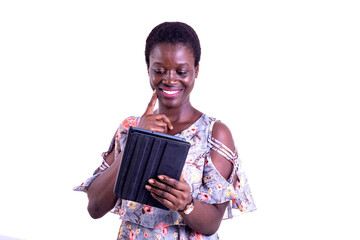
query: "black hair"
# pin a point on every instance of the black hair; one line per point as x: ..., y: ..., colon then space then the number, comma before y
x: 173, y: 32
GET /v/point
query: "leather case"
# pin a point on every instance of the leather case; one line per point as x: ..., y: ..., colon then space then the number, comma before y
x: 146, y: 155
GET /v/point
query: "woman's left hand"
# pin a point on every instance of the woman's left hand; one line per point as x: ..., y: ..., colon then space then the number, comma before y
x: 172, y: 193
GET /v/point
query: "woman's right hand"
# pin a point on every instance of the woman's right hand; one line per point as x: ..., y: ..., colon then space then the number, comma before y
x: 154, y: 122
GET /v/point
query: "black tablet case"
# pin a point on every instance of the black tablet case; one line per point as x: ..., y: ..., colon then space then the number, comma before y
x: 147, y: 155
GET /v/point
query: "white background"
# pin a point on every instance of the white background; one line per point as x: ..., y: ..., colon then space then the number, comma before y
x: 283, y: 75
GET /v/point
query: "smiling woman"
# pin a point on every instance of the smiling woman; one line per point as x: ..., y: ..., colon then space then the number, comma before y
x: 212, y: 179
x: 172, y: 74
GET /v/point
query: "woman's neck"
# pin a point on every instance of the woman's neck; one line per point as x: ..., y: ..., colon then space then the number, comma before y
x: 181, y: 113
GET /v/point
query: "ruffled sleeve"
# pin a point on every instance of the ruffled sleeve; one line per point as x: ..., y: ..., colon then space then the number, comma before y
x: 83, y: 187
x: 216, y: 189
x: 117, y: 144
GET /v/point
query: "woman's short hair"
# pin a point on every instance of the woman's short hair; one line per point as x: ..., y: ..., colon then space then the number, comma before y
x: 173, y: 32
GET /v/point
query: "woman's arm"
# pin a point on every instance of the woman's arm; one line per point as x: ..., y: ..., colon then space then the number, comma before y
x: 100, y: 191
x: 205, y: 218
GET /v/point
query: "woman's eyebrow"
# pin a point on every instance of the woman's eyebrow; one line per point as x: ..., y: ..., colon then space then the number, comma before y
x: 179, y: 64
x: 183, y: 64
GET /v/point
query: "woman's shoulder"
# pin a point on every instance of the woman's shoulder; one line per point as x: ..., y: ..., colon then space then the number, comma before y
x: 222, y: 133
x: 217, y: 128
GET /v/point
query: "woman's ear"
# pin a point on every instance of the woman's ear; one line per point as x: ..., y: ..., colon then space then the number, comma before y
x: 197, y: 70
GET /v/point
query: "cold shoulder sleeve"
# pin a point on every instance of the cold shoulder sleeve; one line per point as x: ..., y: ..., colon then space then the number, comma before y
x: 216, y: 189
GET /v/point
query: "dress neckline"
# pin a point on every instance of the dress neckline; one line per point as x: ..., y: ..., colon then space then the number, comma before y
x: 192, y: 126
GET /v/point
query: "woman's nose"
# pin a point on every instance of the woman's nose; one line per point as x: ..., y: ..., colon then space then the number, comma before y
x: 170, y: 78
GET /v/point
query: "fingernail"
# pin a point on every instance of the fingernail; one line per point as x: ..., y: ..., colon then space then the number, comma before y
x: 161, y: 178
x: 151, y: 181
x: 147, y: 187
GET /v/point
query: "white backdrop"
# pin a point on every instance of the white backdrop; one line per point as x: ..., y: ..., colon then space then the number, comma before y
x: 283, y: 75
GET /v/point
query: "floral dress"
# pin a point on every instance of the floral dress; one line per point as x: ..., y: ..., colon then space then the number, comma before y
x: 207, y: 184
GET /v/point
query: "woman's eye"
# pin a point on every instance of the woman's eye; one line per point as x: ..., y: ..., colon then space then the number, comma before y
x: 182, y: 73
x: 159, y: 71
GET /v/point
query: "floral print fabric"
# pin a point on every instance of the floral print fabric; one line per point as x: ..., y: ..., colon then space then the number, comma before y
x: 145, y: 222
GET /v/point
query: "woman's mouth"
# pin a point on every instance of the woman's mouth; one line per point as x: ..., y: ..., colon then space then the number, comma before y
x: 170, y: 93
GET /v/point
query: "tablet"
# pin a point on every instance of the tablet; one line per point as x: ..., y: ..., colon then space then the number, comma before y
x: 147, y: 155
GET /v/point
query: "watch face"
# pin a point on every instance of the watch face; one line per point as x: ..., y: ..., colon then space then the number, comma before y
x: 189, y: 208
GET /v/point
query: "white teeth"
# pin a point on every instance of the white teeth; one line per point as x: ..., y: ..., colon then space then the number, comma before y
x: 170, y: 92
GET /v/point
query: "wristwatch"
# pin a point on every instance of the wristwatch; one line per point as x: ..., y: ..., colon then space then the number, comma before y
x: 189, y: 208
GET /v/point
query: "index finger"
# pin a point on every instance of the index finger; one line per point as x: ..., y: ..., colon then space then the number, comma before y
x: 150, y: 108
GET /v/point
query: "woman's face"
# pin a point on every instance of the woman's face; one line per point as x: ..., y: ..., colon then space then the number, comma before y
x: 172, y: 73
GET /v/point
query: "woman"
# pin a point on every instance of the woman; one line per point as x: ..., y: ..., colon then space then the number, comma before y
x: 211, y: 180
